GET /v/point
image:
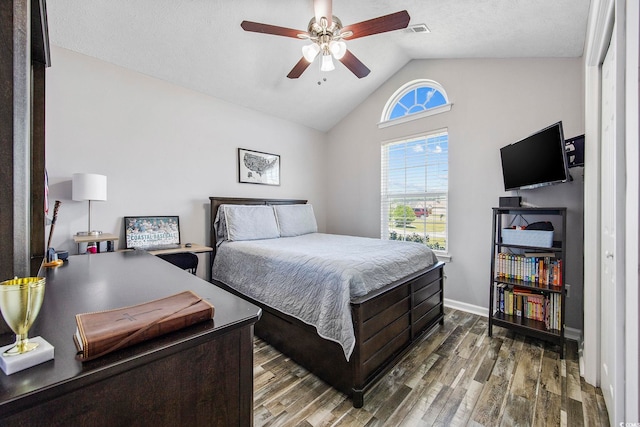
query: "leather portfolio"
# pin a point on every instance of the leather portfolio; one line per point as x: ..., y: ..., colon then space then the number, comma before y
x: 102, y: 332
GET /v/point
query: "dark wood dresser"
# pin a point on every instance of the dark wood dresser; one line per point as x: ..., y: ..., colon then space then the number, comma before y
x: 202, y: 375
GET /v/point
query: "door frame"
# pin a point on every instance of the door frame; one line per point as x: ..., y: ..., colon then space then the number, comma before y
x: 603, y: 14
x: 632, y: 250
x: 601, y: 22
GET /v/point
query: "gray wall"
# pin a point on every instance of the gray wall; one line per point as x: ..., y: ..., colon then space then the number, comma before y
x: 163, y: 148
x: 166, y: 149
x: 495, y: 102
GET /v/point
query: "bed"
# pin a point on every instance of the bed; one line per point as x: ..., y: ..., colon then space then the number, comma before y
x: 387, y: 312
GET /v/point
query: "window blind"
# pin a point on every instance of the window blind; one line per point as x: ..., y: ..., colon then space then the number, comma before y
x: 414, y: 189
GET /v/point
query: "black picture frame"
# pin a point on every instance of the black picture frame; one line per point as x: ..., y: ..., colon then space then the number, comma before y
x: 144, y: 231
x: 256, y: 167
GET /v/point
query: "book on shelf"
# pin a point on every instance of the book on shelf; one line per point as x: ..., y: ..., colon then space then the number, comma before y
x: 535, y: 270
x: 529, y: 304
x: 102, y: 332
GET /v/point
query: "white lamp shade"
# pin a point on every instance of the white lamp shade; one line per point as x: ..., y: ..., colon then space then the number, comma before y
x: 327, y: 63
x: 89, y: 186
x: 338, y: 49
x: 310, y: 51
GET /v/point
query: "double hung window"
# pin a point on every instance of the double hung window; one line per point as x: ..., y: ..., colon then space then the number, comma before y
x: 415, y: 189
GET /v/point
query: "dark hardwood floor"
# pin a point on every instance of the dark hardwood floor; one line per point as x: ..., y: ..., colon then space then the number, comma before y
x: 456, y: 376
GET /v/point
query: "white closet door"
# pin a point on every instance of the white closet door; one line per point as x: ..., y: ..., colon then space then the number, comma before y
x: 612, y: 273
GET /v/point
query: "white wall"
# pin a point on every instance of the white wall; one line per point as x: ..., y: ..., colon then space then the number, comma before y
x: 495, y: 103
x: 163, y: 148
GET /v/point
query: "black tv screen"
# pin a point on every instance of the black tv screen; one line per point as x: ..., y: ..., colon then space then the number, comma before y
x: 537, y: 160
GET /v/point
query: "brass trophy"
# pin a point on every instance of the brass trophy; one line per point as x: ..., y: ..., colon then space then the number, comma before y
x: 20, y: 302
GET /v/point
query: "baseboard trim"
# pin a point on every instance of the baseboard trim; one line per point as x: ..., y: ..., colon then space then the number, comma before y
x: 469, y: 308
x: 569, y: 333
x: 581, y: 356
x: 573, y: 334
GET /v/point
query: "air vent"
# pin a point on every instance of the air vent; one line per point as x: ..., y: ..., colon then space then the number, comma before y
x: 417, y: 28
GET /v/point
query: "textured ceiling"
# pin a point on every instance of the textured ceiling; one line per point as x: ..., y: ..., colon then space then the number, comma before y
x: 199, y: 44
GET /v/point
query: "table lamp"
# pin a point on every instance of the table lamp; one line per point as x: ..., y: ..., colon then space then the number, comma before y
x: 89, y: 186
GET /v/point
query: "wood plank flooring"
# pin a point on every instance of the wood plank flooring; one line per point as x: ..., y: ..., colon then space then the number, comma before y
x: 456, y: 376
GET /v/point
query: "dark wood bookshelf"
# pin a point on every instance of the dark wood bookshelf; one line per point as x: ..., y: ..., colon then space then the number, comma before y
x: 529, y: 285
x: 555, y: 248
x: 522, y: 321
x: 522, y: 324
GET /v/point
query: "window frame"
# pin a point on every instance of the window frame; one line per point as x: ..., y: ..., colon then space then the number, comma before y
x: 384, y: 197
x: 385, y: 121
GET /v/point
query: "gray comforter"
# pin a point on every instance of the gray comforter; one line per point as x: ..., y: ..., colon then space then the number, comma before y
x: 313, y: 277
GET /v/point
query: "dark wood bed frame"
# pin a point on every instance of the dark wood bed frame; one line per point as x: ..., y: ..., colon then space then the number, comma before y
x: 387, y: 324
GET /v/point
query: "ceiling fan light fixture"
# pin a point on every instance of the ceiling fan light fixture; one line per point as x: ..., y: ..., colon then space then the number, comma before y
x: 326, y: 34
x: 310, y: 51
x: 327, y: 63
x: 338, y: 49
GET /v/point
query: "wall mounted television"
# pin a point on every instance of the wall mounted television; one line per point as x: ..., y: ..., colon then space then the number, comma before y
x: 535, y: 161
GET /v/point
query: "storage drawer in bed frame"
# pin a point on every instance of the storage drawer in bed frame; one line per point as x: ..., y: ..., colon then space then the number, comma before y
x: 388, y: 324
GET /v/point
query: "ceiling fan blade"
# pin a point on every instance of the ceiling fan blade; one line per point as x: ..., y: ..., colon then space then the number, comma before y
x: 355, y: 65
x: 298, y: 69
x: 322, y: 8
x: 381, y: 24
x: 257, y: 27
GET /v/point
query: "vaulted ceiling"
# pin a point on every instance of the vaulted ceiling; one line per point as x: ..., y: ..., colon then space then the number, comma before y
x: 198, y: 44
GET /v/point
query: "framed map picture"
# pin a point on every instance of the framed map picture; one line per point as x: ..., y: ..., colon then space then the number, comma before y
x: 255, y: 167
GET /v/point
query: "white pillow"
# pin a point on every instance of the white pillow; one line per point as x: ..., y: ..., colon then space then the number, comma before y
x: 247, y: 222
x: 220, y: 225
x: 295, y: 220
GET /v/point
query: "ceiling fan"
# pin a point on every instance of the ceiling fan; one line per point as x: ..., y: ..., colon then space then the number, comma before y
x: 326, y: 34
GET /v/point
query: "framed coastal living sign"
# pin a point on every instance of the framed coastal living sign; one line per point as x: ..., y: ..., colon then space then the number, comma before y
x: 255, y: 167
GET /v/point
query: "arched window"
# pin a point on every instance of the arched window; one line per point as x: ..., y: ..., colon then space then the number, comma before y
x: 414, y: 100
x: 415, y: 170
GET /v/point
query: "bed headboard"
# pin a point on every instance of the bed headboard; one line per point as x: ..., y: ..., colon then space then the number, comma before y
x: 217, y: 201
